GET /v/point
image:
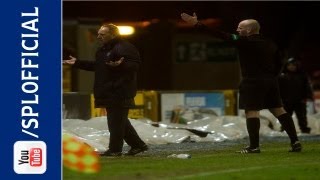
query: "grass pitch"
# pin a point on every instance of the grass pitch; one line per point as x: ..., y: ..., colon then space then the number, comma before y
x: 274, y: 162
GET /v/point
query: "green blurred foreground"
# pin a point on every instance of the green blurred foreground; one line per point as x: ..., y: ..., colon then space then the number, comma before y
x: 274, y: 162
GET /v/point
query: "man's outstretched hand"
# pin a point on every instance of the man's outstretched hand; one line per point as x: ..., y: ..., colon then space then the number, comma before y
x: 115, y: 63
x: 193, y: 20
x: 71, y: 61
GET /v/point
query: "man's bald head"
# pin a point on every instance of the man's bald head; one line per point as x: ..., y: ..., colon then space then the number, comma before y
x: 248, y: 27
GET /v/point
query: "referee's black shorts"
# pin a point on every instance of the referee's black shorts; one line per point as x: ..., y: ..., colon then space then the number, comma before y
x: 259, y: 93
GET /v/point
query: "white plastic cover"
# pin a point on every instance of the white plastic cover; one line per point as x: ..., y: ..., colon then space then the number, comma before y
x: 207, y: 128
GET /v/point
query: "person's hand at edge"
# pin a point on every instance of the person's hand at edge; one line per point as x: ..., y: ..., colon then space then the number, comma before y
x: 193, y: 20
x: 71, y: 61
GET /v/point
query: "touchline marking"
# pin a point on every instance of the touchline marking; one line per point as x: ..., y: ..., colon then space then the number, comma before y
x: 238, y: 170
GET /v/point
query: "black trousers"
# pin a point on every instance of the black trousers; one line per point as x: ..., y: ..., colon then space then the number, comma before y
x: 301, y: 111
x: 121, y: 130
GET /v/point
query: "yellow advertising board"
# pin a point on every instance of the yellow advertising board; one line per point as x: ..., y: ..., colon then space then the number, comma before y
x: 146, y: 106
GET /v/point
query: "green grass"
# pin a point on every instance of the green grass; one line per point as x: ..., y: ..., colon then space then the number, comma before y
x: 274, y: 162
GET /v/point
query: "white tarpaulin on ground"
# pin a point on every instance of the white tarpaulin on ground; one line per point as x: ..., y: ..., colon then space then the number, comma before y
x: 208, y: 128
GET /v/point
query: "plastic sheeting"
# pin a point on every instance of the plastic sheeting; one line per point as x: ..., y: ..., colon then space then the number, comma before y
x: 208, y: 128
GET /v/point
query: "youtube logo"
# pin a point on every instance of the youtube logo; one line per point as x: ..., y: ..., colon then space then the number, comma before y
x: 30, y: 157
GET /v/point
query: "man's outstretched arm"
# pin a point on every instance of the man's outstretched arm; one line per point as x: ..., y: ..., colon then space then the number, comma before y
x: 85, y: 65
x: 193, y: 20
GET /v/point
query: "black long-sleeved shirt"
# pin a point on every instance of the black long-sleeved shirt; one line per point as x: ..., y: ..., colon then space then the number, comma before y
x: 258, y: 56
x: 113, y: 85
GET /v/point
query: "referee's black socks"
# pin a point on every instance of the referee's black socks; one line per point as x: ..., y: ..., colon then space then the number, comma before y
x: 288, y: 125
x: 253, y: 127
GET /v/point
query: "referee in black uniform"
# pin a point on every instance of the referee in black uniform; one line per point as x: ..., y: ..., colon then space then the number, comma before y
x: 259, y: 86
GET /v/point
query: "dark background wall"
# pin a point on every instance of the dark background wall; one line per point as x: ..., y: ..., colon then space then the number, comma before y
x: 292, y: 25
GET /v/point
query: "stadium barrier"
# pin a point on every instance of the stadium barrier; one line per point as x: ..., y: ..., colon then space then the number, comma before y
x: 155, y: 105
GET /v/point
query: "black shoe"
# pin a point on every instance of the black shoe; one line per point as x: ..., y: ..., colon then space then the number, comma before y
x: 296, y: 147
x: 248, y: 150
x: 110, y: 153
x: 306, y: 130
x: 136, y: 150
